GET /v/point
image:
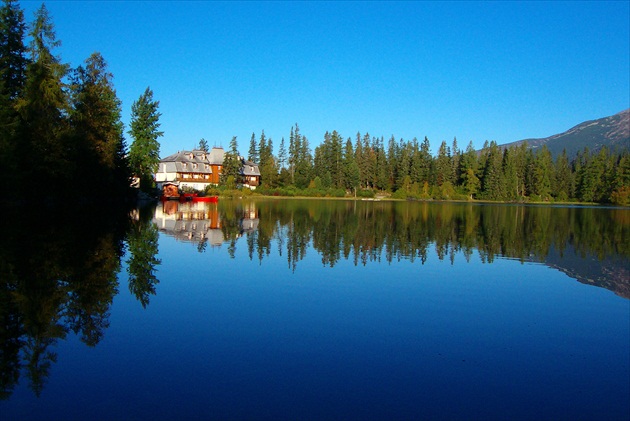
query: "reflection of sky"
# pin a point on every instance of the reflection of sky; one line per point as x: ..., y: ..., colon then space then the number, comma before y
x: 240, y: 338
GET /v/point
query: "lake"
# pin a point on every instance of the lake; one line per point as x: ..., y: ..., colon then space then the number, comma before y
x: 316, y: 309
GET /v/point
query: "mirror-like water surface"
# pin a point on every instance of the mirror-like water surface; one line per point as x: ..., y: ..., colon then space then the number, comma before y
x: 303, y: 309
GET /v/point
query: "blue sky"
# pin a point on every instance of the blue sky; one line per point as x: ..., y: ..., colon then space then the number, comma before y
x: 477, y: 71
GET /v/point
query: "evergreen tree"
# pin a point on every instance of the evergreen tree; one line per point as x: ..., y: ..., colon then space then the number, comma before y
x: 252, y: 154
x: 42, y: 108
x: 282, y: 154
x: 13, y: 59
x: 455, y: 156
x: 543, y: 173
x: 468, y: 169
x: 381, y: 164
x: 403, y: 179
x: 352, y: 177
x: 304, y: 164
x: 231, y: 172
x: 510, y: 174
x: 97, y: 129
x: 203, y: 145
x: 293, y: 154
x: 144, y: 153
x: 268, y: 170
x: 425, y: 162
x: 492, y: 183
x: 443, y: 165
x: 563, y: 186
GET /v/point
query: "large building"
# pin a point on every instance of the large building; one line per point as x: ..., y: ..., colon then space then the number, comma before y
x: 197, y: 169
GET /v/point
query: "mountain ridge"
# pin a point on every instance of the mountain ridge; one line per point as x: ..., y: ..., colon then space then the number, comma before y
x: 612, y: 132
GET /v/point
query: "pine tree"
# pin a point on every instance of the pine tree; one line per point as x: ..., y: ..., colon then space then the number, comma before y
x: 543, y: 173
x: 352, y: 176
x: 13, y: 59
x: 42, y: 108
x: 403, y: 179
x: 336, y: 160
x: 144, y: 153
x: 268, y: 170
x: 203, y: 145
x: 563, y: 186
x: 252, y: 154
x: 231, y: 172
x: 492, y: 183
x: 282, y: 154
x: 425, y: 162
x: 97, y: 129
x: 468, y: 169
x: 443, y: 165
x: 455, y: 156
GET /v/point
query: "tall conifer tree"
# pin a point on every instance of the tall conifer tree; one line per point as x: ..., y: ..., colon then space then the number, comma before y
x: 144, y: 152
x: 42, y: 107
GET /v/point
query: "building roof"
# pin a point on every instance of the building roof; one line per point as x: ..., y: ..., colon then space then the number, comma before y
x: 193, y: 161
x: 249, y: 168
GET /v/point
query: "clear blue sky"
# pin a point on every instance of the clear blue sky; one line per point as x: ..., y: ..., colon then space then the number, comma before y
x: 477, y: 71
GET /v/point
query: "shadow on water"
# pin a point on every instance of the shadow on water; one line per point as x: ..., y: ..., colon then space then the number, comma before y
x: 60, y: 268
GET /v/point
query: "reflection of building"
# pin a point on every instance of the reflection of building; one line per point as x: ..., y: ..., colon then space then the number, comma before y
x: 249, y: 222
x: 199, y: 222
x: 195, y: 222
x: 198, y: 169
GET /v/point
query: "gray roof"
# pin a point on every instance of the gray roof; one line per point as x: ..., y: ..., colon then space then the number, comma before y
x: 200, y: 162
x: 193, y: 161
x: 250, y: 168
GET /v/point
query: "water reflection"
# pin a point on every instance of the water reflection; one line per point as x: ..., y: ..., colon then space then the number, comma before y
x: 589, y: 244
x: 60, y: 275
x: 60, y: 270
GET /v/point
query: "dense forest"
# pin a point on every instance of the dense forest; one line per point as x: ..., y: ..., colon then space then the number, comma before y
x: 61, y: 126
x: 407, y: 169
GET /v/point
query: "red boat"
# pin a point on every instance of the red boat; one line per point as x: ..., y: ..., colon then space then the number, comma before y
x: 212, y: 199
x: 191, y: 197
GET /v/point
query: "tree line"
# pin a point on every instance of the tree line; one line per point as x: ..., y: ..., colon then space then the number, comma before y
x: 61, y: 128
x: 407, y: 169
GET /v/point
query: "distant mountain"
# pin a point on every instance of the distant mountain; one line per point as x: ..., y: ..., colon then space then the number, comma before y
x: 612, y: 132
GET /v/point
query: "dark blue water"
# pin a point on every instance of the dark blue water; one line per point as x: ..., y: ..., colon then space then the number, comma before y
x: 234, y: 337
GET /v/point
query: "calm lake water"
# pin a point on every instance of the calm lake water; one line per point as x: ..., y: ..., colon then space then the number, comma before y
x: 316, y: 309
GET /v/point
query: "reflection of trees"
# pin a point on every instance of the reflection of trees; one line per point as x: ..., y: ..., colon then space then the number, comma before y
x: 390, y: 231
x: 58, y: 275
x: 143, y: 249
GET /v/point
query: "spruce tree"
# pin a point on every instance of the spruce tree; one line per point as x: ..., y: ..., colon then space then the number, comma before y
x: 231, y: 172
x: 13, y: 59
x: 97, y: 129
x: 352, y: 177
x: 42, y: 108
x: 203, y: 145
x: 252, y: 154
x: 144, y: 152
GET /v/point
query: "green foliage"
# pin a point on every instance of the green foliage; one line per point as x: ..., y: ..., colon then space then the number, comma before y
x: 144, y: 152
x: 42, y: 108
x: 203, y: 145
x: 231, y: 173
x: 70, y: 121
x: 621, y: 196
x: 97, y: 129
x: 141, y: 265
x: 13, y: 61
